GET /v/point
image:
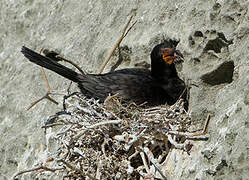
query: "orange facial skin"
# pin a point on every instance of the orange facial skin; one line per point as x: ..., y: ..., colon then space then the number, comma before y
x: 168, y: 55
x: 169, y: 59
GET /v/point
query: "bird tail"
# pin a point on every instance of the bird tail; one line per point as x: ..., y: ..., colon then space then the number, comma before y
x: 50, y: 64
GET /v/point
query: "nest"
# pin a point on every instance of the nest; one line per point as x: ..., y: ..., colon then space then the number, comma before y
x: 113, y: 141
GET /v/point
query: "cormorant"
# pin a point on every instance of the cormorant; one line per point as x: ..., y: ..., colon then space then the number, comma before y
x: 157, y: 86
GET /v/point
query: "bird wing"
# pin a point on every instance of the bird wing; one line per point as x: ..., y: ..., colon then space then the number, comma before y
x: 129, y: 83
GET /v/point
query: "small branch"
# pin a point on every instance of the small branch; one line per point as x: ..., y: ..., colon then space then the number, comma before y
x: 45, y: 79
x: 185, y: 147
x: 82, y: 132
x: 145, y: 162
x: 124, y: 33
x: 51, y: 99
x: 52, y: 125
x: 72, y: 63
x: 130, y: 28
x: 188, y: 135
x: 36, y: 169
x: 35, y: 102
x: 98, y: 171
x: 48, y: 92
x: 134, y: 139
x: 56, y: 57
x: 205, y: 129
x: 199, y: 138
x: 185, y: 89
x: 199, y: 135
x: 72, y: 167
x: 155, y: 163
x: 44, y: 97
x: 44, y: 75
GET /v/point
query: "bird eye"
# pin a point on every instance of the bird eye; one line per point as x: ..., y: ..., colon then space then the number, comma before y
x: 167, y: 51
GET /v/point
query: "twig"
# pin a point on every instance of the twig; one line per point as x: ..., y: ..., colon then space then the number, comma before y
x: 145, y: 162
x: 44, y: 97
x: 177, y: 145
x: 82, y: 132
x: 34, y: 103
x: 205, y: 129
x: 155, y: 163
x: 56, y: 57
x: 116, y: 45
x: 72, y: 63
x: 45, y: 79
x: 130, y: 28
x: 134, y: 139
x: 36, y: 169
x: 98, y: 171
x: 188, y: 135
x: 185, y: 89
x: 52, y: 125
x: 199, y: 135
x: 48, y: 92
x: 51, y: 99
x: 70, y: 166
x: 47, y: 96
x: 198, y: 138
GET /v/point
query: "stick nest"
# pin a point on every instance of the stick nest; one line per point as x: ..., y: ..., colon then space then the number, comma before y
x: 113, y: 141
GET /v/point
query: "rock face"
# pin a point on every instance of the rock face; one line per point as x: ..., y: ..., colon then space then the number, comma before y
x: 214, y: 39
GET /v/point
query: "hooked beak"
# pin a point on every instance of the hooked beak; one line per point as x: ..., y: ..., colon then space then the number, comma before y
x: 179, y: 57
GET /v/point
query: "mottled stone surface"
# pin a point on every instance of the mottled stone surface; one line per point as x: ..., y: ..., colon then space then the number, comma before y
x: 214, y: 38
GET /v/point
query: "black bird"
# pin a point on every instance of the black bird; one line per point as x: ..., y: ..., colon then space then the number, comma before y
x: 159, y: 86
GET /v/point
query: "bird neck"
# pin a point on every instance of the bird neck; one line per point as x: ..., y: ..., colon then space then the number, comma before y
x: 161, y: 70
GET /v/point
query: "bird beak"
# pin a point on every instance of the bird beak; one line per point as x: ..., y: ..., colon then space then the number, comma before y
x: 179, y: 57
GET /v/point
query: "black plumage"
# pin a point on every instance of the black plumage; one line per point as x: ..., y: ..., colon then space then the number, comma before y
x: 159, y: 86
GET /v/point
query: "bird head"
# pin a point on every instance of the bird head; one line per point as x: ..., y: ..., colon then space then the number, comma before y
x: 170, y: 55
x: 166, y: 53
x: 163, y: 59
